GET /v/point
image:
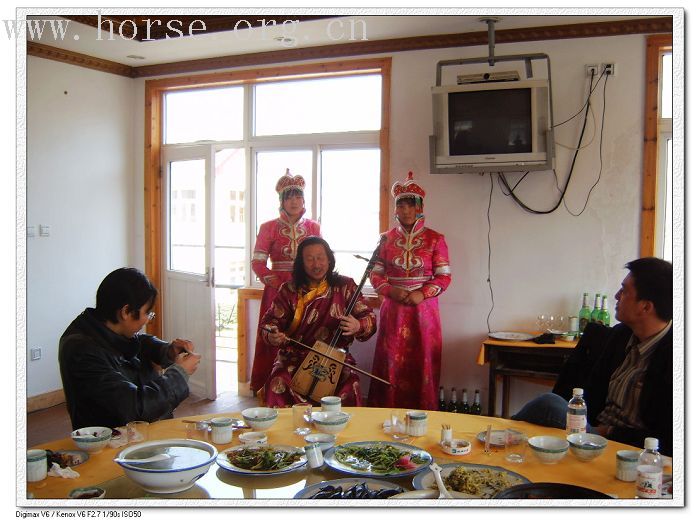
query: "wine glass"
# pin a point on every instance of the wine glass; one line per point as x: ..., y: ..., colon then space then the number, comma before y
x: 541, y: 322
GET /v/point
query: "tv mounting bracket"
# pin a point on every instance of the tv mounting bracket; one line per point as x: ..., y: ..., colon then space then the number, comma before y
x: 491, y: 59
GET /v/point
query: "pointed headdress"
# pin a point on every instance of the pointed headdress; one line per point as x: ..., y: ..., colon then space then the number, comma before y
x: 408, y: 189
x: 289, y: 182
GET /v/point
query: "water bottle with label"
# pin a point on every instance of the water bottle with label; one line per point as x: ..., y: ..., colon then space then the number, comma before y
x: 576, y: 413
x: 650, y: 470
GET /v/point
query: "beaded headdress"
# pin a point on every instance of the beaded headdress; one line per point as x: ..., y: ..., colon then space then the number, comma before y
x: 289, y: 182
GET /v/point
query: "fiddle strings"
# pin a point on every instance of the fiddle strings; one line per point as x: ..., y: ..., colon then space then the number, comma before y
x: 358, y: 291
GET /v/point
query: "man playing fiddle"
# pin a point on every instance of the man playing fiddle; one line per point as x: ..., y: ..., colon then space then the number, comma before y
x: 311, y: 308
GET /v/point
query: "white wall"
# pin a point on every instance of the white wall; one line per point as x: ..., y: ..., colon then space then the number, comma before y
x: 80, y: 181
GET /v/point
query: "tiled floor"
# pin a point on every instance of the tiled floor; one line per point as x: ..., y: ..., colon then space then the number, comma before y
x: 54, y: 423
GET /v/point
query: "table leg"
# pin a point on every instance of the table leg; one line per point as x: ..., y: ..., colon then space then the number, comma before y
x: 492, y: 390
x: 506, y: 396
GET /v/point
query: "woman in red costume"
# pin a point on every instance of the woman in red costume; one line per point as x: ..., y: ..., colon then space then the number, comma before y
x: 310, y: 308
x: 278, y: 240
x: 413, y: 269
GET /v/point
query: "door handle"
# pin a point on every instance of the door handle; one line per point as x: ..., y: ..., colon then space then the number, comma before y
x: 209, y: 277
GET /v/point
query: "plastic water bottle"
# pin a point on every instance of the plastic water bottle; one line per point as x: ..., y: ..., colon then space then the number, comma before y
x: 651, y: 456
x: 576, y: 413
x: 650, y: 470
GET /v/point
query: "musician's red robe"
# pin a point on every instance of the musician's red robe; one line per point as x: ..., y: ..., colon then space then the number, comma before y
x: 315, y: 318
x: 278, y: 240
x: 409, y: 342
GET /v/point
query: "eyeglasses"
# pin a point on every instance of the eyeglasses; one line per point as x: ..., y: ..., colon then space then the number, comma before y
x: 151, y: 316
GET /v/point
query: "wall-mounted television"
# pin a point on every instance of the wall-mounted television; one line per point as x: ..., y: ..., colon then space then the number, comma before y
x: 491, y: 127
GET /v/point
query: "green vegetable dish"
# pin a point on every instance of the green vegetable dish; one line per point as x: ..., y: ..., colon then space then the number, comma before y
x: 379, y: 458
x: 262, y: 458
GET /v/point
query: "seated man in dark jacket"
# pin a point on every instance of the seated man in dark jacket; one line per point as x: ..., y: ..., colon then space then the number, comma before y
x: 113, y: 374
x: 629, y: 390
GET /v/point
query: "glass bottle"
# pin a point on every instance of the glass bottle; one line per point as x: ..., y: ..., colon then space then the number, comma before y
x: 576, y: 413
x: 452, y: 407
x: 464, y: 405
x: 584, y: 315
x: 442, y: 405
x: 604, y: 315
x: 596, y: 309
x: 476, y: 407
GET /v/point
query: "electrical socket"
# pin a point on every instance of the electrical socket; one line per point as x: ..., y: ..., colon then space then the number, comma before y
x: 591, y: 70
x: 35, y: 354
x: 608, y: 68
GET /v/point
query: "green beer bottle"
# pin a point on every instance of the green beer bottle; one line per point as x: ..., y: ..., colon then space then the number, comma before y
x: 596, y: 309
x: 604, y: 315
x: 584, y: 315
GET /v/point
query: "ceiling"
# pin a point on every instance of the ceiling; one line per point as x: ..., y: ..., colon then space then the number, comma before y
x: 125, y: 48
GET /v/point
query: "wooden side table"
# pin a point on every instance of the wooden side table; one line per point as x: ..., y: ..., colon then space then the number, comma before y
x: 508, y: 359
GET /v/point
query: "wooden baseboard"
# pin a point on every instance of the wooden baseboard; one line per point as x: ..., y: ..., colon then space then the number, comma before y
x: 45, y: 400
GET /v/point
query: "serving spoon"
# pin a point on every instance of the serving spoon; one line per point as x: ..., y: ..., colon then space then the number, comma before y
x: 438, y: 480
x: 154, y: 458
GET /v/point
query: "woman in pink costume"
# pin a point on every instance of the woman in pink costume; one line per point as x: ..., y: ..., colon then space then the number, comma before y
x: 278, y: 240
x: 413, y: 269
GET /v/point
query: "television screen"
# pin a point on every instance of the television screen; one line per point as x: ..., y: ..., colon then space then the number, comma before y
x: 490, y: 122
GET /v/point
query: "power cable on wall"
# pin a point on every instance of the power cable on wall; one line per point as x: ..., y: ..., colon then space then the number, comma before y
x: 600, y: 156
x: 571, y: 169
x: 488, y: 241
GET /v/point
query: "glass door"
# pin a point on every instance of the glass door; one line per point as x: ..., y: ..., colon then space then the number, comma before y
x: 189, y: 275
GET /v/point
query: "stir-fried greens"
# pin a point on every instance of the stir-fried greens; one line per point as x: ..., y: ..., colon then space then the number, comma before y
x: 379, y: 458
x: 479, y: 482
x: 263, y: 458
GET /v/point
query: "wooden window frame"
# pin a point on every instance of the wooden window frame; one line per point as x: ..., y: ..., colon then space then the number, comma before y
x: 153, y: 137
x: 656, y: 46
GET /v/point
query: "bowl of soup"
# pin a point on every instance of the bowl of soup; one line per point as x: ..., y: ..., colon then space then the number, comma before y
x: 188, y: 461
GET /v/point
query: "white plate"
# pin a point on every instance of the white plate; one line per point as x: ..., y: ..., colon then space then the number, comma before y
x: 511, y: 336
x: 346, y: 483
x: 337, y: 465
x: 426, y: 479
x: 497, y: 438
x: 223, y: 461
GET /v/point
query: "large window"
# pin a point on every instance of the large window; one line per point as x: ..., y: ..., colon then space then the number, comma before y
x: 328, y: 123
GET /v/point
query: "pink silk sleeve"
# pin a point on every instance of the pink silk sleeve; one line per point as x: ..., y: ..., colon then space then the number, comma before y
x: 261, y: 252
x: 442, y: 276
x: 378, y: 277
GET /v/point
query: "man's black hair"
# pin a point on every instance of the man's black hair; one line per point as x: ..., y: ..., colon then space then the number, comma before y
x: 124, y: 286
x: 653, y: 280
x: 299, y: 274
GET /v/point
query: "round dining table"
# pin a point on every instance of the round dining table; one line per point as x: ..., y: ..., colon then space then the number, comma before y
x: 220, y: 486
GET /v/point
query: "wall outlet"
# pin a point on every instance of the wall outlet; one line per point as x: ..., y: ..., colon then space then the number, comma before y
x: 608, y: 68
x: 35, y: 354
x: 591, y: 70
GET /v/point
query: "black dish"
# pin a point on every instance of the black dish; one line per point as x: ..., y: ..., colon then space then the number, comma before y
x: 547, y: 490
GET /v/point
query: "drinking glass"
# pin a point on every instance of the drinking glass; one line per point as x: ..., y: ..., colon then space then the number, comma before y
x: 137, y: 431
x: 301, y: 414
x: 514, y: 445
x: 541, y: 322
x: 398, y: 425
